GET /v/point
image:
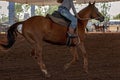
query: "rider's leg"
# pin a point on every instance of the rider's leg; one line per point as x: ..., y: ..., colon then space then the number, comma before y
x: 64, y: 12
x: 71, y: 32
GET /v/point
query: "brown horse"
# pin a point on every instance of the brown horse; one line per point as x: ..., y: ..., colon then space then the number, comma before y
x: 99, y: 28
x: 38, y: 29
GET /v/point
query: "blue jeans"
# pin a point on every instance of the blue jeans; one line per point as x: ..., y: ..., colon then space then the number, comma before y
x: 65, y: 12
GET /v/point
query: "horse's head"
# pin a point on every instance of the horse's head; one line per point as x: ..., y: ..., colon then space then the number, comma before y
x: 91, y: 12
x: 95, y: 14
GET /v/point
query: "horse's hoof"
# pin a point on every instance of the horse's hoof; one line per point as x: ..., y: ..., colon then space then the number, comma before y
x: 86, y: 70
x: 66, y: 66
x: 47, y: 75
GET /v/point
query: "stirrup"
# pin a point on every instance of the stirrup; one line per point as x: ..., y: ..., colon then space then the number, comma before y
x: 69, y: 41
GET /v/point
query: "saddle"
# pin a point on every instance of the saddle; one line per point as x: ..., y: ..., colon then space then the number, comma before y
x: 59, y: 19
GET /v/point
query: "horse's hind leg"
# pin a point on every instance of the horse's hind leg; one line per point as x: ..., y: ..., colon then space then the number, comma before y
x: 38, y: 52
x: 36, y: 43
x: 73, y: 51
x: 33, y: 54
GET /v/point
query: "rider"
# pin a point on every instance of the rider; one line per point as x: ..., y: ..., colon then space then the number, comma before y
x: 64, y: 10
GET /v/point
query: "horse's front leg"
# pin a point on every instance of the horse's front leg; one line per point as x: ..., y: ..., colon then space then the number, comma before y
x: 73, y: 51
x: 85, y: 56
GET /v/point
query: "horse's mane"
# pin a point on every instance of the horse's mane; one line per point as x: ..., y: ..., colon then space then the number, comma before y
x: 83, y: 10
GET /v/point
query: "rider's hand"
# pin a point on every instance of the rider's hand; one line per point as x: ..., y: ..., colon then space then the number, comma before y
x: 77, y: 16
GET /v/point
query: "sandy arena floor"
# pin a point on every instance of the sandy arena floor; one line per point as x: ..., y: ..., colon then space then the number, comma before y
x: 104, y: 60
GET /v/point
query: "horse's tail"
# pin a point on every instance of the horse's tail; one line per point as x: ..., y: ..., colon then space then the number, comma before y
x: 11, y: 35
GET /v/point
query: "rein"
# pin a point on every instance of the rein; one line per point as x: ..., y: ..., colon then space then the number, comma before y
x: 88, y: 18
x: 84, y: 18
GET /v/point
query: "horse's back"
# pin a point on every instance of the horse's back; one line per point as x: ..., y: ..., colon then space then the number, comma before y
x: 42, y: 27
x: 33, y: 28
x: 36, y: 23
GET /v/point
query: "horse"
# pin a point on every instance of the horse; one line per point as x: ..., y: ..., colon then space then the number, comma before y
x: 99, y: 28
x: 38, y: 29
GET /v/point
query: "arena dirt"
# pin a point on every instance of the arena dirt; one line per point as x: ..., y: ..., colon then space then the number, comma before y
x: 103, y: 51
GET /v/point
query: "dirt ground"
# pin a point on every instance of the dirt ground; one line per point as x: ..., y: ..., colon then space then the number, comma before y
x: 103, y: 51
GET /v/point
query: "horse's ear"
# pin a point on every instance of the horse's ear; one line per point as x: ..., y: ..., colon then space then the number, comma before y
x: 94, y: 3
x: 89, y: 3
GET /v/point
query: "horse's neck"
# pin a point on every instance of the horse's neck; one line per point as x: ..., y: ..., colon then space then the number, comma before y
x: 82, y: 23
x: 84, y: 13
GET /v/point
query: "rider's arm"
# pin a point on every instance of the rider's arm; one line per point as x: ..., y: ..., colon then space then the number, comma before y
x: 73, y: 8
